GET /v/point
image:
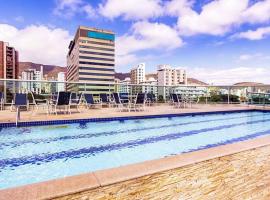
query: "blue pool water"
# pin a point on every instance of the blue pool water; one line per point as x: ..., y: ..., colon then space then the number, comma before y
x: 39, y: 153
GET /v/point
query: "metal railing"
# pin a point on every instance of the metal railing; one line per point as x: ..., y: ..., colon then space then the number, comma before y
x: 226, y: 94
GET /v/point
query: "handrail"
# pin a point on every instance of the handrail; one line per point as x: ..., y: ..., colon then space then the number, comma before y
x: 113, y: 83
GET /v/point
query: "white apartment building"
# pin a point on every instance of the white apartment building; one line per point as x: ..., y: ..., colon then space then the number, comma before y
x: 137, y: 74
x: 150, y: 86
x: 124, y: 86
x: 34, y: 76
x: 61, y: 77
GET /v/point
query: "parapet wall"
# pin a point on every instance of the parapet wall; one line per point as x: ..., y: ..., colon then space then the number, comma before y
x: 243, y: 175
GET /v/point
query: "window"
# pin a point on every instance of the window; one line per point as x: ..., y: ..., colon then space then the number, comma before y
x: 95, y: 58
x: 98, y: 69
x: 93, y: 63
x: 99, y: 35
x: 95, y: 74
x: 97, y: 53
x: 101, y: 43
x: 95, y: 79
x: 97, y: 48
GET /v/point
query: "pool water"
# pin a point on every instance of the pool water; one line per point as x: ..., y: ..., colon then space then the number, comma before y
x: 39, y: 153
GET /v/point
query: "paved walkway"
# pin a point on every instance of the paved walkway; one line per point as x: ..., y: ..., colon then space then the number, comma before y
x: 40, y: 115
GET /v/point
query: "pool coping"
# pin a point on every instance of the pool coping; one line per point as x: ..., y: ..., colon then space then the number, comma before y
x: 87, y: 181
x: 120, y: 118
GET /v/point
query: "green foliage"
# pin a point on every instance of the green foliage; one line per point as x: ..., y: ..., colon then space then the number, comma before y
x: 220, y: 98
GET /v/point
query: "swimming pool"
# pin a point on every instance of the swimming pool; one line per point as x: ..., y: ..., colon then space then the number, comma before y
x: 39, y: 153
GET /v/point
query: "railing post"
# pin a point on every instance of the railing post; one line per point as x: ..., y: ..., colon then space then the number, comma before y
x: 228, y: 95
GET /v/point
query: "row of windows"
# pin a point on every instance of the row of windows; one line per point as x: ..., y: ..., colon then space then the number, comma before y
x: 98, y: 69
x: 101, y: 43
x: 93, y: 63
x: 95, y: 79
x: 95, y: 74
x: 95, y: 58
x: 97, y: 48
x: 90, y: 84
x: 105, y: 90
x: 96, y: 53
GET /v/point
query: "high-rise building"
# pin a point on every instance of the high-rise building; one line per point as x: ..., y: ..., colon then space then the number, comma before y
x: 137, y: 74
x: 91, y: 59
x: 9, y: 64
x: 8, y: 61
x: 61, y: 77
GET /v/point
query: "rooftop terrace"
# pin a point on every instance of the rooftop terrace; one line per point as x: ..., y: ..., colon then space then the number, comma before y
x: 160, y: 109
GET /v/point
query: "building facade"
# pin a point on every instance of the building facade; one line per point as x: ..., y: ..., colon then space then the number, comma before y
x: 150, y: 86
x: 168, y: 76
x: 137, y: 76
x: 9, y: 64
x: 91, y: 59
x: 124, y: 86
x: 61, y: 77
x: 9, y: 61
x: 32, y: 78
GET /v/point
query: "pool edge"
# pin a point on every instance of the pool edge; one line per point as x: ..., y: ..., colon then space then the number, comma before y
x: 119, y: 118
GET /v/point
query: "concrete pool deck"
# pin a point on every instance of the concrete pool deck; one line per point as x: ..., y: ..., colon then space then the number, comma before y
x: 40, y: 115
x: 105, y: 184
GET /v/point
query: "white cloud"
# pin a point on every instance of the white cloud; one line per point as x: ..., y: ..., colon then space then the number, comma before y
x: 69, y: 8
x: 231, y: 75
x: 257, y: 13
x: 257, y: 34
x: 90, y: 11
x: 215, y: 18
x: 253, y: 57
x: 131, y: 9
x: 39, y: 44
x: 178, y: 7
x: 146, y: 35
x: 125, y: 61
x: 245, y: 57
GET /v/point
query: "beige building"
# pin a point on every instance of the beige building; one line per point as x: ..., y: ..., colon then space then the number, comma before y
x: 137, y: 74
x: 168, y: 76
x: 91, y: 59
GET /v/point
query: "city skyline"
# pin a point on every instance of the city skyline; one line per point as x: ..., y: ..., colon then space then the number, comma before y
x: 217, y: 42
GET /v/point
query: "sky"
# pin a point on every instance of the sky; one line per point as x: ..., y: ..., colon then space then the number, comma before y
x: 216, y: 41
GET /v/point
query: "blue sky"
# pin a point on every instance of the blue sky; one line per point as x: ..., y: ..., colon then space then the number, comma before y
x: 218, y: 41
